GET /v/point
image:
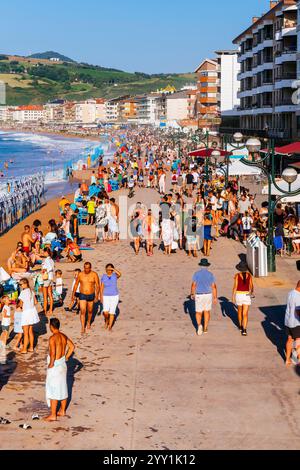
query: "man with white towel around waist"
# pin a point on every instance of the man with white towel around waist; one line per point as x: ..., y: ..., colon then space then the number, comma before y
x: 204, y: 292
x: 61, y: 349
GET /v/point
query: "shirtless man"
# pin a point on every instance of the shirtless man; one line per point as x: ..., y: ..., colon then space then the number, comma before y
x: 114, y: 212
x: 89, y: 291
x: 61, y: 349
x: 27, y: 240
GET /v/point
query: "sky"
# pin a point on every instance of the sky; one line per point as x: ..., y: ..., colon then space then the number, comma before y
x: 152, y: 36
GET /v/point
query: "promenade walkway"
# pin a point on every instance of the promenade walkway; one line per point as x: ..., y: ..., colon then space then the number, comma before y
x: 153, y: 383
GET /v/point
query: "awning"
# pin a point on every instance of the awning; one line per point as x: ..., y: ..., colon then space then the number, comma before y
x: 291, y: 149
x: 204, y: 153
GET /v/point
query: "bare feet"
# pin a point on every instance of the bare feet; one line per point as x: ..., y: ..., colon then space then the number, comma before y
x: 24, y: 352
x: 50, y: 418
x: 61, y: 413
x: 288, y: 363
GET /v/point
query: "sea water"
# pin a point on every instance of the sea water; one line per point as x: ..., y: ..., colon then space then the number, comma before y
x: 27, y: 154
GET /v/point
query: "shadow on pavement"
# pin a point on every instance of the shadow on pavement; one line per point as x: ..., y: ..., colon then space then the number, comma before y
x: 8, y: 366
x: 273, y: 326
x: 229, y: 310
x: 74, y: 366
x: 189, y: 309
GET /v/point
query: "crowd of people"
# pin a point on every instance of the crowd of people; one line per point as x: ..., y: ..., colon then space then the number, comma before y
x: 192, y: 212
x: 20, y: 198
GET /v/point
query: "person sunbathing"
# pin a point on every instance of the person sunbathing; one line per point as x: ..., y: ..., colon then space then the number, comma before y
x: 18, y: 261
x: 73, y: 252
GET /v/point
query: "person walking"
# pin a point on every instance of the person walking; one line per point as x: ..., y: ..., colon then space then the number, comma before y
x: 204, y: 292
x: 243, y: 288
x: 292, y: 324
x: 109, y: 294
x: 88, y: 281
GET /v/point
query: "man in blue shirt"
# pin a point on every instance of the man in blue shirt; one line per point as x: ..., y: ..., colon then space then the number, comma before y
x: 204, y: 292
x: 292, y: 323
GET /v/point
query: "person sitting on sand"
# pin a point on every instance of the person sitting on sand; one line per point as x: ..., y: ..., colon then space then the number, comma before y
x: 61, y: 349
x: 73, y: 252
x: 18, y: 262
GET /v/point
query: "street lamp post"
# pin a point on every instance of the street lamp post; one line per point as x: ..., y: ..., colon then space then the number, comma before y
x: 267, y: 165
x: 203, y: 138
x: 236, y: 142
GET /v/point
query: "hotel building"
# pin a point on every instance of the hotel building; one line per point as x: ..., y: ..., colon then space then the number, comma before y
x: 268, y: 60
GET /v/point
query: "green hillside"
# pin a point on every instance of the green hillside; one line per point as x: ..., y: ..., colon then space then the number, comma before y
x: 31, y: 81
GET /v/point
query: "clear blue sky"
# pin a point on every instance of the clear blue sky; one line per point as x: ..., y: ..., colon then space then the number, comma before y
x: 135, y: 35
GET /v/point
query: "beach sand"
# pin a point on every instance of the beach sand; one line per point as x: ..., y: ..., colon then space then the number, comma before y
x: 9, y: 240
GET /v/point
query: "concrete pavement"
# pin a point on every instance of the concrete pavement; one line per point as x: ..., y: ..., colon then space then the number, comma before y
x: 153, y: 383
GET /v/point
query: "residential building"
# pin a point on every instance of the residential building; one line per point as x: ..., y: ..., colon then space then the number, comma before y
x: 4, y: 113
x: 54, y: 111
x: 69, y: 112
x: 112, y: 110
x: 228, y: 85
x: 100, y: 112
x: 268, y: 59
x: 28, y: 113
x: 208, y: 108
x: 127, y: 109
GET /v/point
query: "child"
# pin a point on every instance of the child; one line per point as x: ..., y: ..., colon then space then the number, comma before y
x: 6, y: 320
x: 18, y: 326
x: 247, y: 222
x: 59, y: 285
x: 91, y: 207
x: 76, y: 303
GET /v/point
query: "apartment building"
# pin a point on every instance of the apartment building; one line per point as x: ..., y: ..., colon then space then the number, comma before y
x: 112, y: 110
x: 54, y: 112
x: 228, y: 85
x: 217, y: 88
x: 5, y: 114
x: 178, y: 106
x: 208, y: 110
x: 268, y: 59
x: 100, y: 112
x: 28, y: 113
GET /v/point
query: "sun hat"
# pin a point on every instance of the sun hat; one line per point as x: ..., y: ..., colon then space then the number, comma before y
x: 204, y: 262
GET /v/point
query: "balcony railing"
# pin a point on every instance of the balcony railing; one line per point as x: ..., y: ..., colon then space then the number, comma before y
x: 286, y: 76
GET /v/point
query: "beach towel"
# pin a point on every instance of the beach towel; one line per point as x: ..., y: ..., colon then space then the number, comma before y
x: 56, y: 381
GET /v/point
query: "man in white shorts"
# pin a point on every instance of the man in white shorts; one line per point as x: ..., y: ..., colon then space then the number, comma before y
x: 204, y: 292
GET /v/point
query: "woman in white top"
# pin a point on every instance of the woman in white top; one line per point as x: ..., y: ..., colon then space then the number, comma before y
x: 48, y: 276
x: 29, y: 315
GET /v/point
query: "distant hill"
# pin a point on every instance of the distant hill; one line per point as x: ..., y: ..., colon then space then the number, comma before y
x: 50, y: 55
x: 39, y: 80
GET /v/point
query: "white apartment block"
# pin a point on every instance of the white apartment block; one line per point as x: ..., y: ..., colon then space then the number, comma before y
x: 28, y: 114
x: 177, y: 106
x: 5, y: 114
x: 228, y: 69
x: 112, y: 110
x: 268, y: 59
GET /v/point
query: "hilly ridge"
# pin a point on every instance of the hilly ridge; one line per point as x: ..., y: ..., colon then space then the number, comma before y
x: 33, y: 80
